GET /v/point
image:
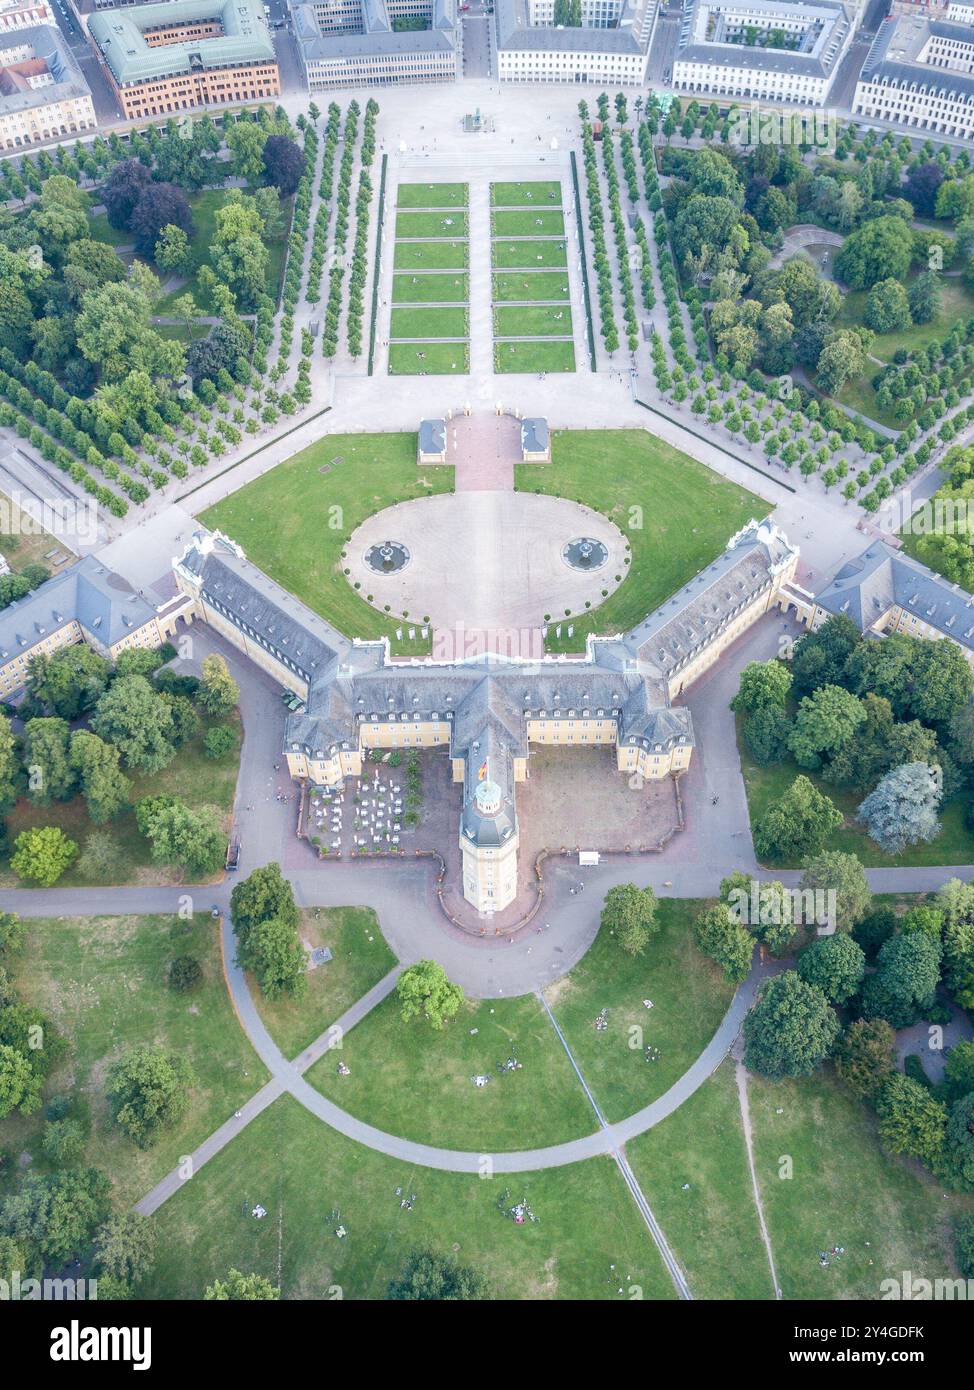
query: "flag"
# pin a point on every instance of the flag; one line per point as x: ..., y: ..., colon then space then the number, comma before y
x: 482, y: 771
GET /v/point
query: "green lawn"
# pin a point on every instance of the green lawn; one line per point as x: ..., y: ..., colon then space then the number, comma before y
x: 676, y: 514
x: 429, y: 323
x: 712, y: 1228
x: 102, y: 982
x: 281, y: 518
x: 429, y: 359
x: 431, y: 195
x: 539, y: 355
x: 689, y: 993
x: 530, y: 285
x: 842, y: 1190
x: 520, y: 320
x: 431, y: 224
x: 431, y: 255
x: 531, y: 192
x: 425, y: 289
x: 101, y: 229
x: 587, y: 1243
x: 205, y: 205
x: 199, y: 781
x: 957, y: 302
x: 544, y: 222
x: 360, y: 958
x: 409, y: 1080
x: 518, y: 255
x: 954, y: 844
x: 24, y: 542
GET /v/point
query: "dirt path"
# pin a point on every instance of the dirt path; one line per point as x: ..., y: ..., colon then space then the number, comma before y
x: 740, y: 1072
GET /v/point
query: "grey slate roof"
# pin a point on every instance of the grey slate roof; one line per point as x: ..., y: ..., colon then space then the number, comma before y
x: 868, y: 586
x: 893, y: 58
x: 534, y: 435
x: 104, y: 603
x: 48, y: 44
x: 376, y: 36
x: 432, y: 436
x: 837, y: 20
x: 515, y: 31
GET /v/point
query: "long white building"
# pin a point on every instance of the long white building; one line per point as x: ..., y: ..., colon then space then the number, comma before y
x: 921, y: 73
x: 364, y: 42
x: 43, y: 94
x: 611, y: 44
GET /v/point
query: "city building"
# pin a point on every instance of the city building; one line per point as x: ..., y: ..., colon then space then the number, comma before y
x: 84, y: 603
x: 24, y: 14
x: 162, y: 58
x: 43, y: 94
x: 771, y: 50
x: 431, y: 444
x: 375, y: 43
x: 610, y: 45
x: 535, y: 440
x: 920, y: 72
x: 488, y: 710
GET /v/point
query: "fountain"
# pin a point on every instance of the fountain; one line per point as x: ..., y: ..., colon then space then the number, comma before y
x: 388, y: 558
x: 584, y: 554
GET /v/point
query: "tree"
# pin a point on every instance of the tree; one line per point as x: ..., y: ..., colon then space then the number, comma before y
x: 192, y: 840
x: 832, y: 872
x: 630, y: 913
x: 122, y: 190
x: 904, y: 984
x: 241, y: 1288
x: 284, y: 162
x: 428, y: 1275
x: 902, y: 809
x: 238, y: 252
x: 925, y: 297
x: 964, y: 1241
x: 221, y: 349
x: 63, y: 1142
x: 911, y: 1121
x: 957, y: 1165
x: 819, y: 658
x: 842, y: 357
x: 9, y: 769
x: 104, y: 786
x: 148, y: 1091
x: 13, y: 933
x: 790, y: 1029
x: 766, y: 734
x: 49, y: 773
x: 959, y: 1069
x: 887, y: 307
x: 115, y: 332
x: 763, y: 685
x: 218, y: 741
x: 722, y: 937
x: 273, y: 952
x: 43, y: 854
x: 137, y: 719
x: 263, y: 894
x: 836, y: 964
x: 424, y: 989
x: 172, y: 249
x: 218, y: 692
x: 53, y: 1216
x: 826, y: 721
x: 125, y: 1247
x: 878, y: 250
x: 101, y: 858
x: 797, y: 824
x: 922, y: 187
x: 16, y: 1081
x: 185, y: 974
x: 245, y: 142
x: 865, y: 1056
x: 160, y: 205
x: 68, y: 682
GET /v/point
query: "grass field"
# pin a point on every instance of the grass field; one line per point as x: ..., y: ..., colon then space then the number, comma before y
x: 519, y: 255
x: 431, y: 224
x: 102, y: 230
x: 23, y: 541
x: 956, y: 302
x: 538, y: 355
x: 279, y: 520
x: 199, y: 781
x: 431, y: 195
x: 360, y: 958
x: 429, y: 359
x: 311, y: 1179
x: 429, y: 323
x: 841, y: 1189
x: 533, y: 192
x: 102, y: 982
x: 712, y: 1227
x: 517, y: 320
x: 431, y: 255
x: 425, y: 289
x: 544, y: 222
x: 409, y: 1080
x: 690, y: 996
x: 685, y: 513
x: 954, y: 844
x: 531, y: 285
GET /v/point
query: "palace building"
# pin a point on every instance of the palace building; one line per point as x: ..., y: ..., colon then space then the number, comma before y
x: 361, y: 42
x: 489, y: 710
x: 920, y: 72
x: 610, y: 45
x: 162, y: 58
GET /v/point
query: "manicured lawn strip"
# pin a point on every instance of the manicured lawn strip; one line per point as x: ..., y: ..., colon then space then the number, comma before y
x: 954, y: 844
x: 615, y: 470
x: 843, y: 1190
x: 429, y: 359
x: 278, y: 520
x: 514, y: 321
x: 431, y: 195
x: 544, y: 222
x: 424, y: 289
x: 529, y: 285
x: 529, y: 192
x: 534, y: 355
x: 690, y: 996
x: 199, y: 781
x: 430, y: 255
x: 409, y: 1080
x: 102, y: 982
x: 713, y: 1228
x: 360, y: 958
x: 429, y: 323
x: 431, y: 224
x: 524, y: 253
x: 310, y: 1179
